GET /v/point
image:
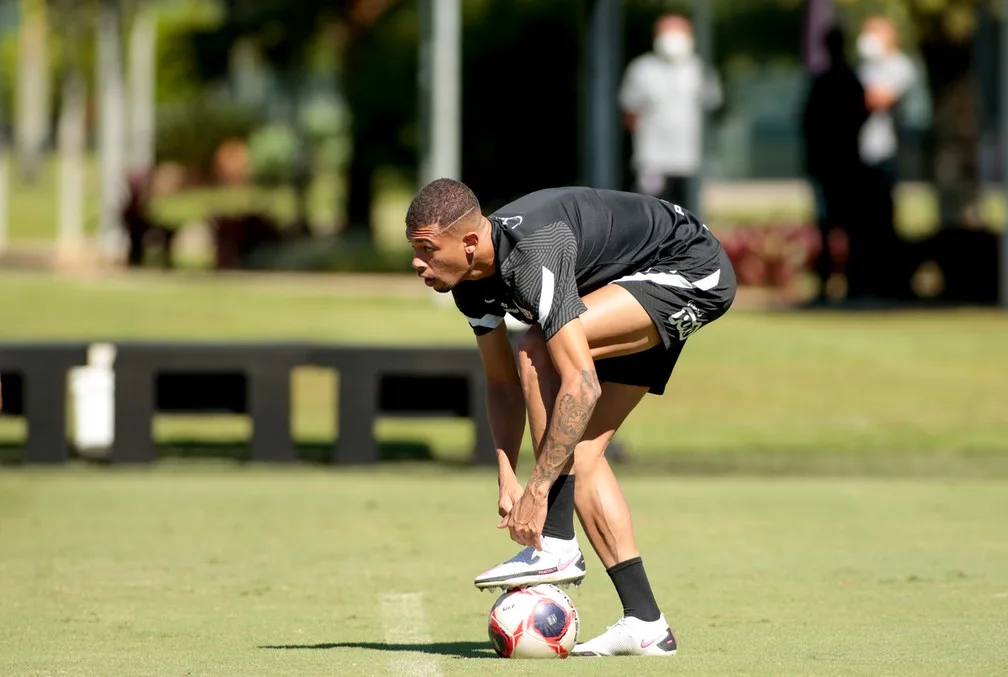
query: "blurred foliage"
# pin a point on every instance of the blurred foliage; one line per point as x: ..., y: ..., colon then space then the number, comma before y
x: 952, y: 20
x: 272, y: 152
x: 178, y: 70
x: 190, y: 131
x: 344, y: 254
x: 522, y: 107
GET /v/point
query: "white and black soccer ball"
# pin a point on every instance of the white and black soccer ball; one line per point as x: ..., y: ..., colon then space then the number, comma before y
x: 535, y: 622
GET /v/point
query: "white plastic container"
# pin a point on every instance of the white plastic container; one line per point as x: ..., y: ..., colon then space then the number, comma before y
x: 93, y: 394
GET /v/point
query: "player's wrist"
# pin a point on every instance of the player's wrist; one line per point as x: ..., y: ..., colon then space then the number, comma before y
x: 505, y: 471
x: 539, y: 484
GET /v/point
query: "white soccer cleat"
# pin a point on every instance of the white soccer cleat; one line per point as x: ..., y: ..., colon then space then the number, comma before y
x: 562, y: 566
x: 631, y: 637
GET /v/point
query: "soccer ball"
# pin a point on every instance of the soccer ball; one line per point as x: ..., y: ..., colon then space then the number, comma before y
x: 535, y: 622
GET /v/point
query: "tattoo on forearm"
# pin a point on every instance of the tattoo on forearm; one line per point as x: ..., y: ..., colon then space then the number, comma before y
x: 570, y: 419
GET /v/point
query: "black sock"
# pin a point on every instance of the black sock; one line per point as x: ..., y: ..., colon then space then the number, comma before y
x: 634, y: 590
x: 560, y: 509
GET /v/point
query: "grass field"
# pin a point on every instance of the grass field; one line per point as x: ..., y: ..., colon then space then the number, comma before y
x: 209, y: 570
x: 907, y: 392
x: 817, y: 494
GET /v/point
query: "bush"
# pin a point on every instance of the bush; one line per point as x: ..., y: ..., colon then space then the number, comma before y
x: 190, y: 132
x: 771, y: 256
x: 331, y: 254
x: 272, y: 154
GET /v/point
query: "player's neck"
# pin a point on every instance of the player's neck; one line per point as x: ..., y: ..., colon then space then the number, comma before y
x: 484, y: 258
x: 484, y: 262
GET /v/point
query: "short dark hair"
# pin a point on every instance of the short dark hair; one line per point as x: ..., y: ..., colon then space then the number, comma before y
x: 442, y: 201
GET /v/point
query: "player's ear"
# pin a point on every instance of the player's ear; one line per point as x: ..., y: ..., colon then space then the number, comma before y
x: 470, y: 240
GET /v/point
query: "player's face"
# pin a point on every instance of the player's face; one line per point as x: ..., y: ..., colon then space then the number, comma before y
x: 441, y: 259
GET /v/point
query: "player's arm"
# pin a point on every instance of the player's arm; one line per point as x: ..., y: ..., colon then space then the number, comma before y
x: 579, y: 391
x: 544, y: 279
x: 504, y: 399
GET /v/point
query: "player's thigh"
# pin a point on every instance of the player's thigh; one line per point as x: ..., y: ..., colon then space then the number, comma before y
x: 681, y: 302
x: 615, y: 323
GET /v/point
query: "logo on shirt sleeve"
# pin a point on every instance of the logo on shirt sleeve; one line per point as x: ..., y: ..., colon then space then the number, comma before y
x: 511, y: 222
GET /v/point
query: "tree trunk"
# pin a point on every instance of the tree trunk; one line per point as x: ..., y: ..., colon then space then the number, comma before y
x: 956, y: 129
x: 111, y: 132
x: 4, y: 188
x: 360, y: 196
x: 142, y: 74
x: 72, y: 140
x: 32, y: 90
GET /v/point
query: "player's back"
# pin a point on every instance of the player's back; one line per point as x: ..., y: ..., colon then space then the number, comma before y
x: 617, y: 233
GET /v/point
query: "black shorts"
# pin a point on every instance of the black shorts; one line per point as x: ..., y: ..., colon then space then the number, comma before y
x: 679, y: 303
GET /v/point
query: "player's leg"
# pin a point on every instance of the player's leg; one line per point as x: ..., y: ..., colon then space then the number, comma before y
x: 597, y: 496
x: 616, y: 324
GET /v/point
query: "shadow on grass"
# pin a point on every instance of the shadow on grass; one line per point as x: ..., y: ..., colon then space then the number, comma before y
x: 636, y: 462
x: 318, y: 453
x: 454, y: 649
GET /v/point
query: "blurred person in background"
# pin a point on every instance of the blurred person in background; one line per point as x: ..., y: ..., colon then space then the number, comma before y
x: 834, y: 114
x: 888, y: 76
x: 664, y: 96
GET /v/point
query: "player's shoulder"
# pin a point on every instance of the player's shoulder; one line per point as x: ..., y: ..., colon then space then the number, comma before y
x: 536, y: 210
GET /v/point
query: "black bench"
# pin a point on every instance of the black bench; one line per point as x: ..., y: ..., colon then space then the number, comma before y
x: 406, y: 382
x: 34, y: 377
x: 266, y: 368
x: 252, y: 378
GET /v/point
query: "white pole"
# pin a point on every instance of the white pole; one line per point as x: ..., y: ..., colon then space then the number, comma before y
x: 111, y: 141
x: 4, y: 192
x: 32, y: 91
x: 142, y: 73
x: 445, y: 91
x: 72, y: 141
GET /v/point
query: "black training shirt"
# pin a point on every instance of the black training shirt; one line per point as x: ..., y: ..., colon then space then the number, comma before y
x: 554, y: 246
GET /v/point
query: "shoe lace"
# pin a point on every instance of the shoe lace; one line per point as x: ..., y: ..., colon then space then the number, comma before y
x: 621, y: 623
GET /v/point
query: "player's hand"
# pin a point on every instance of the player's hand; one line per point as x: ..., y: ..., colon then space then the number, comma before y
x: 510, y: 492
x: 525, y: 523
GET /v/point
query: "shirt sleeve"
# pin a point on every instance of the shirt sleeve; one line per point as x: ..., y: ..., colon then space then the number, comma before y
x: 483, y: 314
x: 541, y: 275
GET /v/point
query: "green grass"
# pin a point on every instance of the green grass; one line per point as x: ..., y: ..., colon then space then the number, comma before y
x: 899, y: 393
x: 204, y: 570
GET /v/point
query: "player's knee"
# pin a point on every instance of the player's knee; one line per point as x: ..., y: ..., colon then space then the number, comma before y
x: 589, y: 454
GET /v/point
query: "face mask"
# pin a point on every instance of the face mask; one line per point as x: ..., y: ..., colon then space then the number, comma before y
x: 870, y: 47
x: 673, y: 45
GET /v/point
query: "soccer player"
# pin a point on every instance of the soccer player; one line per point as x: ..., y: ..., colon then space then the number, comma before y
x: 612, y: 284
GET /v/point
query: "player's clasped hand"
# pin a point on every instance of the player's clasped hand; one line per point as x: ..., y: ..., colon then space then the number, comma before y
x: 525, y: 522
x: 510, y: 492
